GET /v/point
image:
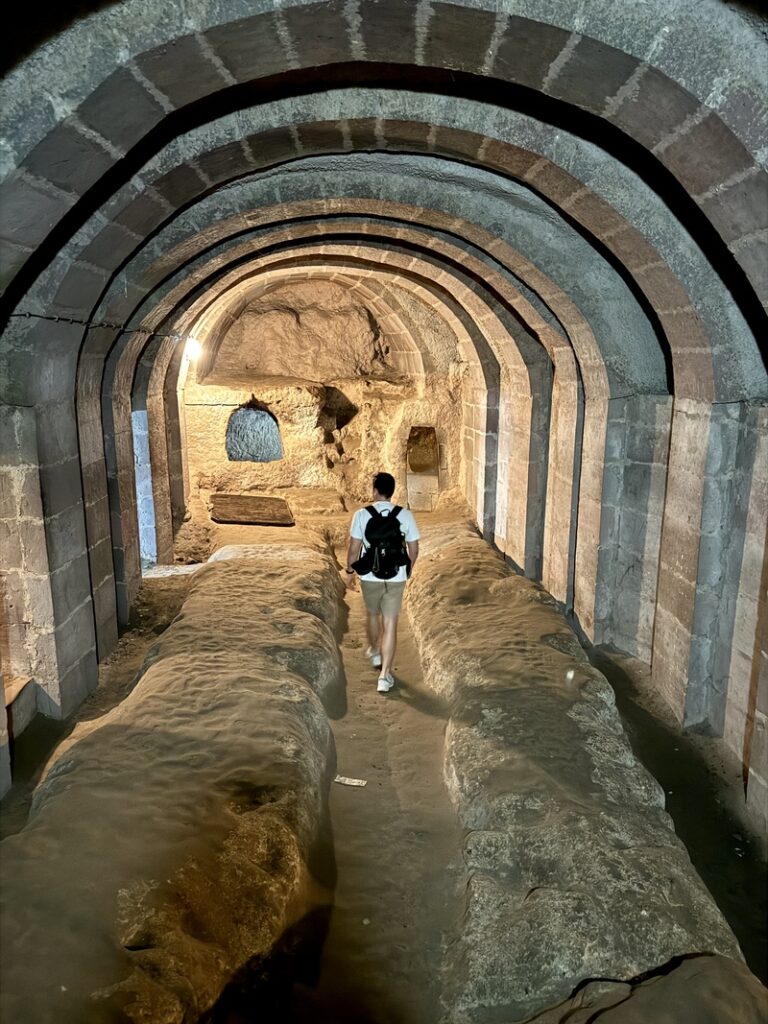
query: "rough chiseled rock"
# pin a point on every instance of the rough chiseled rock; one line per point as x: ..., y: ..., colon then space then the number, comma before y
x: 575, y: 872
x: 706, y: 989
x: 170, y: 841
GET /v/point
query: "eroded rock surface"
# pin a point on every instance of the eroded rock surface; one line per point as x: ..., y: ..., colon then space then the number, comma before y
x: 171, y: 842
x: 701, y: 989
x: 575, y: 870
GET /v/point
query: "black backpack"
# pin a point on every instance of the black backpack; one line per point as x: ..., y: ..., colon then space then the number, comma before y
x: 386, y: 551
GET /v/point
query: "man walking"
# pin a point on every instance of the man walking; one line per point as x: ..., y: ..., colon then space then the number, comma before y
x: 387, y: 537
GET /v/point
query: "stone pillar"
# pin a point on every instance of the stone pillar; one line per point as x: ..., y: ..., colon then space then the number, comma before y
x: 746, y: 707
x: 589, y: 513
x: 155, y: 360
x: 679, y: 556
x: 68, y: 562
x: 31, y: 646
x: 97, y: 524
x: 118, y: 453
x: 727, y: 485
x: 634, y: 486
x: 565, y: 429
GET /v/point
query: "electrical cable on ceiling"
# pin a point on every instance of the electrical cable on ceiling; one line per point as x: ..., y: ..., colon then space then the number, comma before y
x: 106, y: 324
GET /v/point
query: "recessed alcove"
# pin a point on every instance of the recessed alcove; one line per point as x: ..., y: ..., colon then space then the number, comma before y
x: 253, y: 435
x: 423, y: 469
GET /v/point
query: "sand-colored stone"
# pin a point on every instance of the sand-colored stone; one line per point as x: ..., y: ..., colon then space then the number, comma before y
x: 575, y: 870
x: 344, y: 397
x: 318, y: 328
x: 172, y: 839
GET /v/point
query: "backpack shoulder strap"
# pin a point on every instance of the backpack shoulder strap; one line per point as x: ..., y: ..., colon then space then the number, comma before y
x: 396, y: 511
x: 372, y: 511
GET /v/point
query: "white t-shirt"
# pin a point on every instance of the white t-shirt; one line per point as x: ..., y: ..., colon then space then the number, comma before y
x: 408, y: 528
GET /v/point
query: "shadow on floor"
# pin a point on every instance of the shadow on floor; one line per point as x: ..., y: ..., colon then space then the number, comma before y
x: 726, y: 857
x: 29, y: 755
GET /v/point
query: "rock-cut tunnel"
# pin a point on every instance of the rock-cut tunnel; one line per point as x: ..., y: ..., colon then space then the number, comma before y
x: 512, y: 252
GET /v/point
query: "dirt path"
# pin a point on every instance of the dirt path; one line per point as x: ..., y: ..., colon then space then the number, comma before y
x: 397, y: 845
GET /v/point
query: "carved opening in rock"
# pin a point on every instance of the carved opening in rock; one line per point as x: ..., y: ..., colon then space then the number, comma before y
x: 145, y: 502
x: 253, y: 434
x: 338, y: 407
x: 423, y: 469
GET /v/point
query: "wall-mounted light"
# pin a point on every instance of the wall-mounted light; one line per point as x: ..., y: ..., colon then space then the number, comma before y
x: 193, y: 348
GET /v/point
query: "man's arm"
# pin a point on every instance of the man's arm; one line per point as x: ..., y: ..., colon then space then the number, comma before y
x: 353, y: 551
x: 413, y: 551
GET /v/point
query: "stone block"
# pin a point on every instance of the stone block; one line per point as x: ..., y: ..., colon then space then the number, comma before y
x: 272, y: 147
x: 632, y: 532
x: 80, y: 289
x: 80, y: 680
x: 109, y: 248
x: 719, y: 155
x: 65, y: 535
x: 10, y: 545
x: 250, y: 48
x: 637, y: 485
x: 68, y: 159
x: 654, y: 108
x: 751, y: 258
x: 527, y: 51
x: 45, y: 665
x: 410, y: 136
x: 74, y: 639
x: 363, y: 135
x: 389, y: 30
x: 181, y: 71
x: 224, y: 163
x: 321, y: 138
x: 613, y: 483
x: 179, y: 186
x: 458, y: 37
x: 593, y: 73
x: 9, y: 497
x: 100, y: 558
x: 121, y: 110
x: 18, y: 437
x: 712, y: 560
x: 61, y: 486
x: 741, y: 209
x: 70, y: 588
x: 319, y: 33
x: 28, y: 212
x: 142, y: 215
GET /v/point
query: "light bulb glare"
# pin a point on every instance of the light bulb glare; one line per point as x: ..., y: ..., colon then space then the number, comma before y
x: 193, y: 348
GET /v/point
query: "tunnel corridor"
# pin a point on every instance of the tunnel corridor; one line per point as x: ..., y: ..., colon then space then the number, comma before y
x: 254, y: 252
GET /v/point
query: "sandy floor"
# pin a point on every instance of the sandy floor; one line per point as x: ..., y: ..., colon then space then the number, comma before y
x: 397, y: 849
x: 397, y: 840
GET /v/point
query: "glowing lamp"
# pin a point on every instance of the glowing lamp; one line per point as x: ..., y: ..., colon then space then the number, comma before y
x: 193, y: 348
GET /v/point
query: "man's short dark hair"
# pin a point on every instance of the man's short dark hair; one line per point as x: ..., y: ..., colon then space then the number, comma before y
x: 384, y: 483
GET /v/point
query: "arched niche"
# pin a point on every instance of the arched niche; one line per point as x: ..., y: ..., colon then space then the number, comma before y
x: 253, y: 435
x: 422, y: 469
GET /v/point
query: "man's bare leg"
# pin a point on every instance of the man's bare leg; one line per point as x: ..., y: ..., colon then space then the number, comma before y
x: 388, y: 644
x: 375, y: 630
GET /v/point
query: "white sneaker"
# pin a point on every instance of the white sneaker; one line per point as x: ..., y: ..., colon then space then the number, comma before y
x: 375, y: 657
x: 385, y: 683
